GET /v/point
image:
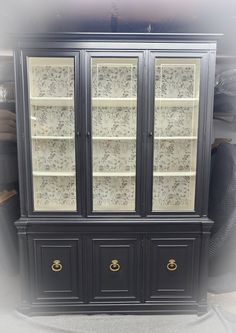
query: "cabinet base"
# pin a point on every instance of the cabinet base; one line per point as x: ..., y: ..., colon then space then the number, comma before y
x: 144, y: 309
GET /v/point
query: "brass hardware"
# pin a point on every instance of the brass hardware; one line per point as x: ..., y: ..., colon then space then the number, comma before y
x: 171, y: 266
x: 114, y: 266
x: 56, y: 266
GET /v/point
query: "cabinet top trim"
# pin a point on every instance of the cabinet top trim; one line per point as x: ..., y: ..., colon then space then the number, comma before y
x: 74, y: 37
x: 122, y: 36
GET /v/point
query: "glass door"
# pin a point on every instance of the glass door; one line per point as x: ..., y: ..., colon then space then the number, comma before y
x: 114, y: 131
x: 176, y: 109
x: 52, y: 128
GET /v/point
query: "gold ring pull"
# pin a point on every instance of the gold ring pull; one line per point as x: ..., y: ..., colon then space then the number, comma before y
x: 114, y: 266
x: 172, y: 266
x: 56, y: 266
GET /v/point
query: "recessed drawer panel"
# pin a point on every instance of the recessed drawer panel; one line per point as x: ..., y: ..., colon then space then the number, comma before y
x: 56, y: 269
x: 114, y: 269
x: 172, y: 268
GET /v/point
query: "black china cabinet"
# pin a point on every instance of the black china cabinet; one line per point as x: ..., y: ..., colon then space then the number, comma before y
x: 114, y: 135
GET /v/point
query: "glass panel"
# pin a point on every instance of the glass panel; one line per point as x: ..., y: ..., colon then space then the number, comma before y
x: 175, y: 133
x: 114, y: 118
x: 51, y: 94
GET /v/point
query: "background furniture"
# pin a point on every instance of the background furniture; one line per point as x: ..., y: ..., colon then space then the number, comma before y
x: 222, y: 209
x: 9, y: 203
x: 114, y: 152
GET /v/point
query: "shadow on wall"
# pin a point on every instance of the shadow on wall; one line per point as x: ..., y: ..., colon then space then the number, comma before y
x: 222, y: 210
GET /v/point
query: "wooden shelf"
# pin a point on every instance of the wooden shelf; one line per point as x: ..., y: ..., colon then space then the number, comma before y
x: 52, y: 62
x: 54, y: 173
x: 55, y: 208
x: 177, y: 101
x: 174, y: 174
x: 114, y: 138
x: 48, y: 137
x: 114, y: 174
x: 175, y: 138
x: 127, y: 138
x: 100, y: 101
x: 156, y: 174
x: 171, y: 209
x: 48, y: 101
x: 123, y: 208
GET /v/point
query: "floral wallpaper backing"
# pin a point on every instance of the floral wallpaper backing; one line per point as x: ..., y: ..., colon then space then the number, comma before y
x: 173, y: 193
x: 174, y: 155
x: 54, y: 193
x: 175, y: 121
x: 175, y: 81
x: 114, y: 121
x: 178, y: 81
x: 114, y: 80
x: 53, y: 155
x: 52, y: 81
x: 114, y: 193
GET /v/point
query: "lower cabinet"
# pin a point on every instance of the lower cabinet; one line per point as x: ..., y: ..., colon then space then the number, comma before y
x: 93, y: 271
x: 114, y: 271
x: 172, y: 268
x: 56, y: 270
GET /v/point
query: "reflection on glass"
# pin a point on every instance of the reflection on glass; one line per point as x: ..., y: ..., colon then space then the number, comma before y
x: 175, y: 133
x: 51, y: 99
x: 114, y: 118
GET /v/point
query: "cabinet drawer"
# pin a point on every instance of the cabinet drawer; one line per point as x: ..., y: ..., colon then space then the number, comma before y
x: 114, y: 269
x: 56, y: 266
x: 172, y: 268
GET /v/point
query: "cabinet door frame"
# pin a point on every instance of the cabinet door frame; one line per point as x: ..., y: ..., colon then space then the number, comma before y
x: 139, y: 182
x: 26, y: 128
x: 71, y: 244
x: 204, y: 130
x: 190, y: 244
x: 132, y: 243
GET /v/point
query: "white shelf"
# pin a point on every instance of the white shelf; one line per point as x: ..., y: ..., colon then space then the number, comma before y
x: 48, y: 101
x: 175, y: 138
x: 170, y: 209
x: 54, y: 173
x: 114, y: 138
x: 174, y: 174
x: 110, y: 208
x: 114, y: 174
x: 54, y: 208
x: 51, y: 62
x: 49, y: 137
x: 100, y: 101
x: 177, y: 101
x: 127, y: 138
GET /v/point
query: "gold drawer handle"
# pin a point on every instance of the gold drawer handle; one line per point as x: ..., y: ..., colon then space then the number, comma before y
x: 114, y: 266
x: 56, y: 266
x: 172, y: 266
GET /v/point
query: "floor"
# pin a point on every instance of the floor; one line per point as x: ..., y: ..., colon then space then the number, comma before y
x: 220, y: 318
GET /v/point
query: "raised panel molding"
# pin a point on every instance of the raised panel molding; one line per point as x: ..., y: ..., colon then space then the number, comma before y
x: 115, y: 286
x: 62, y: 286
x: 176, y: 284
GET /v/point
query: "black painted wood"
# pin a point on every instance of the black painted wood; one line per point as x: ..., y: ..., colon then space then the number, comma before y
x: 86, y: 242
x: 176, y: 284
x: 56, y: 286
x: 114, y: 286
